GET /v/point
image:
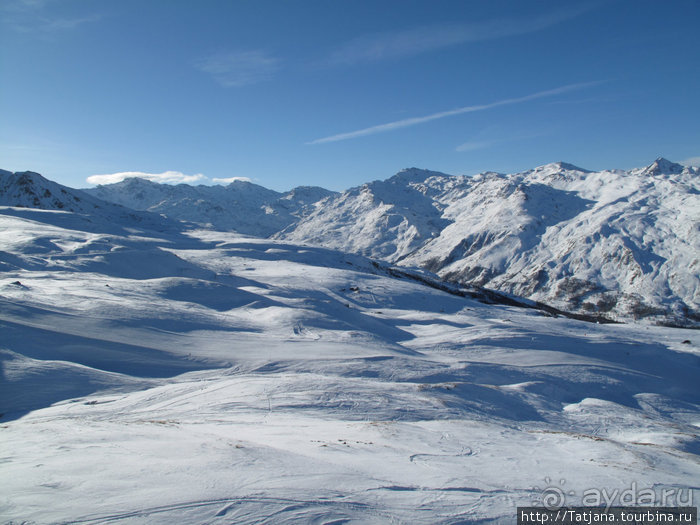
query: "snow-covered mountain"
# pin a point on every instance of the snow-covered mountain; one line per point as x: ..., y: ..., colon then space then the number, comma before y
x: 240, y: 206
x: 199, y: 376
x: 382, y: 219
x: 30, y: 190
x: 619, y: 243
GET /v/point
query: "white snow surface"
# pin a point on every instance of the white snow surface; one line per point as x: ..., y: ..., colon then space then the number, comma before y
x: 199, y: 376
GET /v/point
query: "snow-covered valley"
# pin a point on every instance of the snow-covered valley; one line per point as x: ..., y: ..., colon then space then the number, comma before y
x: 153, y: 373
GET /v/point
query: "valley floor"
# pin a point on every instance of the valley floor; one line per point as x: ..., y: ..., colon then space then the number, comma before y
x: 205, y: 377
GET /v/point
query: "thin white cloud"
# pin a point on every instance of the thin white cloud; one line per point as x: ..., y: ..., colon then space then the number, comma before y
x: 167, y: 177
x: 50, y: 24
x: 475, y: 145
x: 21, y: 6
x: 390, y: 126
x: 481, y: 142
x: 398, y: 44
x: 229, y: 180
x: 35, y: 16
x: 239, y: 68
x: 34, y: 3
x: 692, y: 161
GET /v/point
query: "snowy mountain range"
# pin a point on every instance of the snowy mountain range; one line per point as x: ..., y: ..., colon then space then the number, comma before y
x: 621, y: 244
x: 151, y: 373
x: 240, y: 206
x: 31, y: 190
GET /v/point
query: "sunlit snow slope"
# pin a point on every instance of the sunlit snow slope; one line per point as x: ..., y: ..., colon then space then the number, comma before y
x: 205, y: 377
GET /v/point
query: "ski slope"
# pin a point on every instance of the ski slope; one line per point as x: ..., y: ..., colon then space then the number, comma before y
x: 156, y: 375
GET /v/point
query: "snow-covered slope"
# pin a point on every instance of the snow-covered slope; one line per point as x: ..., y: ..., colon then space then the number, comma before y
x: 241, y: 206
x: 624, y: 244
x: 207, y: 377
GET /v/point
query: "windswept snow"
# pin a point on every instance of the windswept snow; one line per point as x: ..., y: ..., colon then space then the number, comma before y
x: 207, y: 377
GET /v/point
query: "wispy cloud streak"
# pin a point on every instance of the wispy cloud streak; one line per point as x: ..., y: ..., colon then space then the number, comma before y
x: 692, y: 161
x: 35, y: 16
x: 474, y: 145
x: 239, y: 68
x: 484, y: 143
x: 390, y: 126
x: 397, y: 44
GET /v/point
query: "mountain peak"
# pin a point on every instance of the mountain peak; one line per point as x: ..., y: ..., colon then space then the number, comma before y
x: 571, y: 167
x: 307, y: 194
x: 133, y: 182
x: 663, y: 166
x: 28, y: 189
x: 561, y: 166
x: 409, y: 175
x: 240, y: 183
x: 28, y: 177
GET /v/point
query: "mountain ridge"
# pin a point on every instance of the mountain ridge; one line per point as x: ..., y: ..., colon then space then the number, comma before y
x: 618, y: 243
x: 613, y: 243
x: 243, y: 206
x: 28, y: 189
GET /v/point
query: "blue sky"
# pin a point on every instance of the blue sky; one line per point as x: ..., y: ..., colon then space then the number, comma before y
x: 336, y: 93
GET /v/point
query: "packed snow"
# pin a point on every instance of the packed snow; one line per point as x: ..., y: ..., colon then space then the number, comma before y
x: 158, y: 374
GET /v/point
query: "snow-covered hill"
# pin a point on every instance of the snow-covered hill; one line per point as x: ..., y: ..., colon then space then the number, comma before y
x: 207, y: 377
x: 240, y: 206
x: 622, y: 244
